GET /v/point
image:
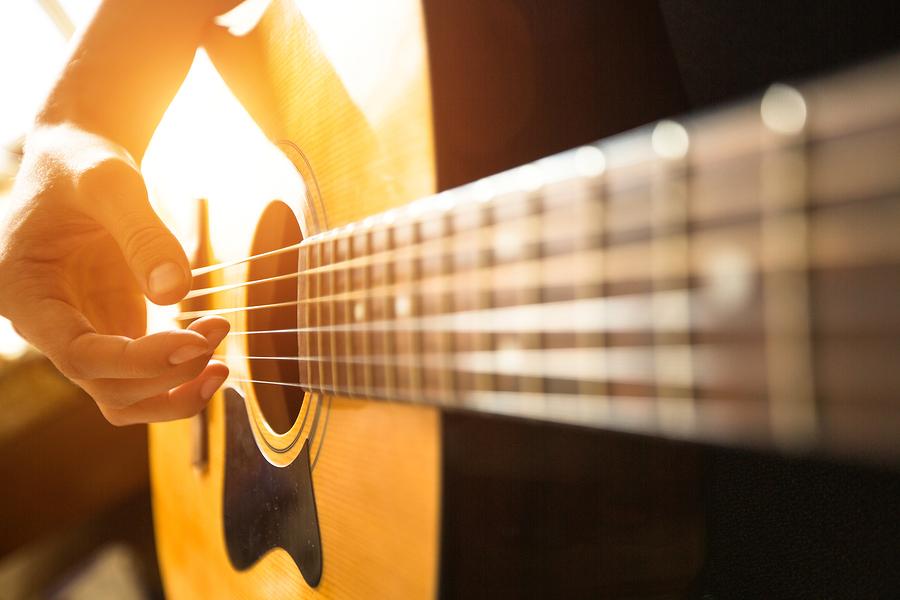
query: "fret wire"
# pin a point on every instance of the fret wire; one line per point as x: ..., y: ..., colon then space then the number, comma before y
x: 319, y: 345
x: 786, y: 301
x: 388, y: 341
x: 533, y: 253
x: 347, y: 243
x: 447, y: 381
x: 303, y: 288
x: 484, y: 292
x: 591, y: 207
x: 333, y: 315
x: 415, y: 310
x: 367, y: 310
x: 670, y: 257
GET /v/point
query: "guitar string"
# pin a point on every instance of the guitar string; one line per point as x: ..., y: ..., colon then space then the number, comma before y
x: 643, y: 179
x: 410, y: 253
x: 377, y: 258
x: 407, y: 394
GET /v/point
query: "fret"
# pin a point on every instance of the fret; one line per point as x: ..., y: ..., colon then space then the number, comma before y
x: 785, y: 238
x: 315, y: 317
x: 669, y: 257
x: 362, y: 245
x: 590, y: 205
x: 305, y: 292
x: 441, y: 386
x: 533, y: 203
x: 381, y: 239
x: 325, y: 318
x: 406, y: 306
x: 466, y: 296
x: 339, y: 345
x: 345, y: 253
x: 446, y: 343
x: 432, y: 284
x: 332, y: 313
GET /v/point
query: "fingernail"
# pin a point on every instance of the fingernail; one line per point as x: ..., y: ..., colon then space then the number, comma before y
x: 165, y: 278
x: 186, y: 353
x: 216, y: 336
x: 209, y: 388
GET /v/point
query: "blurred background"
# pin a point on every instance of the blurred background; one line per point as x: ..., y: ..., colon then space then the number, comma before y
x: 75, y: 518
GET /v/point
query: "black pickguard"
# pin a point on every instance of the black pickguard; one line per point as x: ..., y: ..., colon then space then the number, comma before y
x: 264, y: 506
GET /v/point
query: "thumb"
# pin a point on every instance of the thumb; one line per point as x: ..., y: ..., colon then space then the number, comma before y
x: 114, y: 194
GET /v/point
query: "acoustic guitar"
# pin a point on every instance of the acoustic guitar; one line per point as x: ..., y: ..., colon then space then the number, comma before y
x: 462, y: 261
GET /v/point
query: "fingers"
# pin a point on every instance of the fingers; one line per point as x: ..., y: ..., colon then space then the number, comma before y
x: 95, y: 356
x: 119, y: 372
x: 83, y: 354
x: 126, y: 391
x: 184, y: 401
x: 211, y: 327
x: 113, y: 193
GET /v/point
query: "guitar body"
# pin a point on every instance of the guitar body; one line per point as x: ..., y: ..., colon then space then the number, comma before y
x: 407, y: 502
x: 376, y: 479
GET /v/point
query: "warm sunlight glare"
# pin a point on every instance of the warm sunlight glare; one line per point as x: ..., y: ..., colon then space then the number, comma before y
x: 207, y: 146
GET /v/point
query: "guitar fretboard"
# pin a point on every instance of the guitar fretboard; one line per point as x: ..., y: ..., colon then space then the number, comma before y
x: 728, y: 278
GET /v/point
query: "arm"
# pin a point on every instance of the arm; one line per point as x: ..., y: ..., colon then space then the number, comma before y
x: 127, y: 66
x: 81, y: 247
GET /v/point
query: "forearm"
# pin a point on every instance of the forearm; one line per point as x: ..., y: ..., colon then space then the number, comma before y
x: 126, y: 67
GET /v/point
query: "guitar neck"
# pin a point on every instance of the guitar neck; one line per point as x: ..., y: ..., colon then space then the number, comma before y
x: 730, y: 278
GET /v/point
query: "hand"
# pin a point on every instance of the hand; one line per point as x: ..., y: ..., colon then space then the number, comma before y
x: 80, y: 248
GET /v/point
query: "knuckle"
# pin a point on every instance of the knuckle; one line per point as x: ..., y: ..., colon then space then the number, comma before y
x: 70, y: 368
x: 130, y: 366
x: 72, y: 363
x: 108, y: 178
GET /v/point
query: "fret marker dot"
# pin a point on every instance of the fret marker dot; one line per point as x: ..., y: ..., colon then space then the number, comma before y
x: 401, y: 306
x: 670, y: 140
x: 359, y: 311
x: 783, y: 109
x: 509, y: 356
x: 590, y: 161
x: 507, y: 244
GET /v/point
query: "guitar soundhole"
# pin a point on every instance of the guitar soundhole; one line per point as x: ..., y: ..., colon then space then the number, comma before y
x: 273, y: 355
